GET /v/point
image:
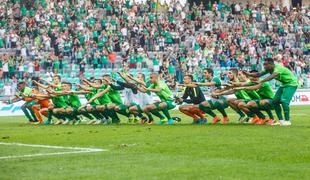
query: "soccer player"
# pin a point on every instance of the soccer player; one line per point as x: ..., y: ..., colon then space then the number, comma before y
x: 58, y: 102
x: 284, y: 93
x: 195, y: 97
x: 241, y: 95
x: 219, y: 102
x: 139, y: 99
x: 253, y: 96
x: 92, y: 109
x: 42, y: 103
x: 24, y: 93
x: 131, y: 95
x: 166, y: 100
x: 115, y: 103
x: 266, y: 94
x: 103, y: 99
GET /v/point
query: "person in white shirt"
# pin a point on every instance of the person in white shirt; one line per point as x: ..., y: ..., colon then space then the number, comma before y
x: 31, y: 68
x: 7, y: 90
x: 5, y: 68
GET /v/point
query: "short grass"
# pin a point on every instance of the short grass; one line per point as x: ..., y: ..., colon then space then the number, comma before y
x: 181, y: 151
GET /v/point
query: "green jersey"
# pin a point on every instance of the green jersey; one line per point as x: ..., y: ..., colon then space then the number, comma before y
x: 241, y: 94
x: 92, y: 93
x: 73, y: 100
x: 217, y: 82
x: 252, y: 94
x: 104, y: 99
x: 265, y: 92
x: 285, y: 76
x: 59, y: 101
x: 165, y: 94
x: 27, y: 91
x: 115, y: 96
x: 147, y: 85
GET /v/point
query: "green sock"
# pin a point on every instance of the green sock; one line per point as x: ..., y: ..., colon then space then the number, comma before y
x: 123, y: 111
x: 70, y: 117
x: 49, y: 115
x: 140, y: 113
x: 240, y: 112
x: 260, y: 115
x: 256, y: 111
x: 278, y: 109
x: 267, y: 108
x: 250, y: 114
x: 149, y: 116
x: 222, y: 111
x: 97, y: 115
x: 269, y: 112
x: 25, y: 110
x: 33, y: 114
x: 220, y: 108
x: 166, y: 113
x: 60, y: 116
x: 157, y: 114
x: 109, y: 113
x: 207, y: 110
x: 85, y: 114
x: 113, y: 115
x: 286, y: 110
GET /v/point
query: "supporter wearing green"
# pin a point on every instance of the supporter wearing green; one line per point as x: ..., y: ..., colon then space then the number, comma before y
x: 285, y: 92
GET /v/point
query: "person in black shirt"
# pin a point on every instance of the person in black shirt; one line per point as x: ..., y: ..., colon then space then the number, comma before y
x: 192, y: 96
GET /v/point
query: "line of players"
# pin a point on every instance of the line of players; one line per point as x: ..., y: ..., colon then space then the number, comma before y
x: 253, y: 96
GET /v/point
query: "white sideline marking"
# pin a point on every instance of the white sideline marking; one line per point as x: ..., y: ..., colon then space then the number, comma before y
x: 293, y: 114
x: 78, y: 150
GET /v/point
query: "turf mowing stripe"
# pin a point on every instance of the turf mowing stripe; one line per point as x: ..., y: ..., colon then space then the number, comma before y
x: 78, y: 150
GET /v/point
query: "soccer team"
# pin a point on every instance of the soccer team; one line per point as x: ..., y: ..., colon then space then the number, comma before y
x: 253, y: 97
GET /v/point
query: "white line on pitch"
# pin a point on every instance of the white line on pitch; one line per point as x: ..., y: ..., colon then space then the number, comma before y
x: 293, y: 114
x: 78, y: 150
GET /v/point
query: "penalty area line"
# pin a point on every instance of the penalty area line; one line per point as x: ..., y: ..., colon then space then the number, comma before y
x: 77, y: 150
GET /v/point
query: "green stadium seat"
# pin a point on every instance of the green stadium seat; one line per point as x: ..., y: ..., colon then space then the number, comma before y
x: 88, y: 75
x: 25, y: 68
x: 145, y: 71
x: 98, y: 74
x: 76, y: 80
x: 69, y: 79
x: 133, y: 71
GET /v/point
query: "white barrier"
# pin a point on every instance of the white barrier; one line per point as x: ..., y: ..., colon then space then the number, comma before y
x: 300, y: 98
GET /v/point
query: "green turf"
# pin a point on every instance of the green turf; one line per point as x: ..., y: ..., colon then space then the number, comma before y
x: 160, y: 151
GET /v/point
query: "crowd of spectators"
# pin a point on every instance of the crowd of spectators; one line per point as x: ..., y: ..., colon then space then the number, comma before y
x: 169, y: 37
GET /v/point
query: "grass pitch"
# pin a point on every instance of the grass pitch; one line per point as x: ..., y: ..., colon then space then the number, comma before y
x: 181, y: 151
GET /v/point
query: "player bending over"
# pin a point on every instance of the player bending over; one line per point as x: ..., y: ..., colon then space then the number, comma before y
x: 284, y: 93
x: 166, y: 100
x: 195, y: 98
